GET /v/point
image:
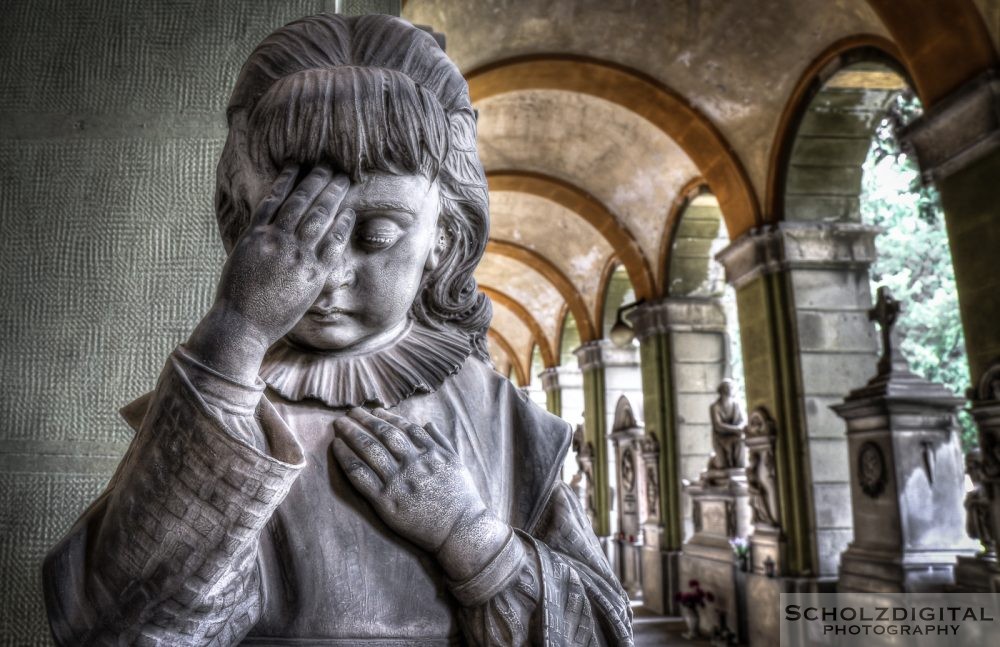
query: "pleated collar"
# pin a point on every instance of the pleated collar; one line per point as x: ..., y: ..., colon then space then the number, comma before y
x: 418, y: 361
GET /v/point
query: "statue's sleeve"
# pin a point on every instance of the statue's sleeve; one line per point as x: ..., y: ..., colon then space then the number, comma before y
x: 167, y: 554
x: 550, y: 585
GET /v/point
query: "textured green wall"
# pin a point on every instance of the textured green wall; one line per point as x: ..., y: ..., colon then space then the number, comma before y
x: 112, y: 118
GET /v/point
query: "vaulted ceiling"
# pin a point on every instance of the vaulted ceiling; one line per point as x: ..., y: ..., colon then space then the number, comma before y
x: 598, y: 119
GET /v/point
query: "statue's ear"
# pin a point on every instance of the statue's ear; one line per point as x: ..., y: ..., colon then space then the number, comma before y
x: 437, y: 249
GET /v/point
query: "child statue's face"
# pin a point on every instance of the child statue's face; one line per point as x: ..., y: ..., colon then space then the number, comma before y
x: 371, y: 286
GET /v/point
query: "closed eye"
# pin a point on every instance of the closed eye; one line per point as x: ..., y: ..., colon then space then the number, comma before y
x: 377, y: 233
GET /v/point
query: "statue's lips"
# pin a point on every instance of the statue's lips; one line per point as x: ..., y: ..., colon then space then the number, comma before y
x: 328, y: 314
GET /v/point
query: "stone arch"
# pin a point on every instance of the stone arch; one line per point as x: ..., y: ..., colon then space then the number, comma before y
x: 519, y: 370
x: 698, y: 236
x: 616, y: 290
x: 692, y: 189
x: 648, y: 98
x: 569, y: 338
x: 944, y: 43
x: 559, y: 280
x: 543, y: 343
x: 837, y: 57
x: 591, y: 210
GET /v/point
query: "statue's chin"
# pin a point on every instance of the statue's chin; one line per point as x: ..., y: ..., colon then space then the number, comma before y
x: 341, y: 335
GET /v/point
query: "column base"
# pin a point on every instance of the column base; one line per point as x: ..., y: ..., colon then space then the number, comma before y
x: 660, y: 579
x: 763, y: 611
x: 977, y: 574
x: 870, y: 571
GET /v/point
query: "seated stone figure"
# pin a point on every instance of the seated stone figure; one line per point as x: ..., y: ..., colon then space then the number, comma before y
x: 329, y: 459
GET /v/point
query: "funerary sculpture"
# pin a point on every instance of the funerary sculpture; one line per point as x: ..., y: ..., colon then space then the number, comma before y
x: 329, y: 459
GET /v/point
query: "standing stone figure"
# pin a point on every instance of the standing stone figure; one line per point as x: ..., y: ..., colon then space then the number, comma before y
x: 727, y: 430
x: 761, y: 473
x: 329, y: 459
x: 978, y: 509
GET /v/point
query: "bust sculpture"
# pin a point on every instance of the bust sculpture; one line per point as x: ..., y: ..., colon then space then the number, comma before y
x: 329, y: 459
x: 727, y: 430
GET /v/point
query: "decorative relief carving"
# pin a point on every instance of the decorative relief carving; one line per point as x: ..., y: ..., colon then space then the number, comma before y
x: 628, y: 470
x: 979, y: 518
x: 650, y: 448
x: 761, y: 434
x: 871, y: 469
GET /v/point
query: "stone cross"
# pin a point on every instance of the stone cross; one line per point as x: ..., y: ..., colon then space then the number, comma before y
x: 885, y: 313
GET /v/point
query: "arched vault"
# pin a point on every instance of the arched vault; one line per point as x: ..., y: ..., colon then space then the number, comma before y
x: 589, y: 209
x: 944, y: 43
x: 538, y: 334
x: 494, y: 337
x: 552, y: 275
x: 647, y: 98
x: 573, y: 246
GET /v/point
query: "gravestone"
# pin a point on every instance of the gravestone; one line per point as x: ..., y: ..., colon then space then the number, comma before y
x: 906, y: 475
x: 627, y: 434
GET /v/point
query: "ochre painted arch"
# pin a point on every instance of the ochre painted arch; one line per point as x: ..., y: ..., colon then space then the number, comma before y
x: 502, y: 342
x: 553, y: 275
x: 644, y: 96
x: 591, y: 210
x: 693, y: 188
x: 943, y: 43
x: 507, y: 301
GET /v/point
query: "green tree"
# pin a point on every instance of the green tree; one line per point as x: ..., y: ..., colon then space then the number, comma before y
x: 914, y: 260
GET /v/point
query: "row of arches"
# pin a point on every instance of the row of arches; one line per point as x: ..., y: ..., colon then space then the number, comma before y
x: 720, y: 170
x: 807, y: 354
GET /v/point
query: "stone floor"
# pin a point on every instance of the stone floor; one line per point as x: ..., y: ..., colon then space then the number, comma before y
x: 660, y: 631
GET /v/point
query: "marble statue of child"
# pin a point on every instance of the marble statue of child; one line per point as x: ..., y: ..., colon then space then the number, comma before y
x: 329, y: 459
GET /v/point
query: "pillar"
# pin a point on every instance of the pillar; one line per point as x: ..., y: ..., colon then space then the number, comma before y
x: 608, y: 372
x: 553, y: 394
x: 957, y: 145
x: 663, y: 531
x: 803, y: 293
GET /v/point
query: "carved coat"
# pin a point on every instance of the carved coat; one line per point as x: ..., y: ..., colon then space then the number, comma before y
x: 229, y: 520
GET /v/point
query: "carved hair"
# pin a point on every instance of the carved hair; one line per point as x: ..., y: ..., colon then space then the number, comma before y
x: 401, y: 107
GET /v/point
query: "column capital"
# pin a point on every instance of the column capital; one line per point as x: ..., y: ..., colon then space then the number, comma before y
x: 702, y: 314
x: 798, y: 245
x: 550, y: 379
x: 958, y: 130
x: 601, y: 353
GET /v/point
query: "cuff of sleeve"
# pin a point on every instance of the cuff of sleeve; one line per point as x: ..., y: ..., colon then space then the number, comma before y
x: 220, y: 390
x: 494, y: 577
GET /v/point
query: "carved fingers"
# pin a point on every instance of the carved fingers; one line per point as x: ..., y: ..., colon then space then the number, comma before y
x: 283, y: 185
x: 410, y: 474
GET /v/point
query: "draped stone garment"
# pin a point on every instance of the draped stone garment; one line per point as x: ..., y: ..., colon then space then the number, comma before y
x: 229, y: 521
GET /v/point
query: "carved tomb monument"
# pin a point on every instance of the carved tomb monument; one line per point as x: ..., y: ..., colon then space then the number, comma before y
x: 329, y: 459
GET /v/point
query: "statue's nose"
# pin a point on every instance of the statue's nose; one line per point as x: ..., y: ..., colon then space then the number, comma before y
x: 342, y: 274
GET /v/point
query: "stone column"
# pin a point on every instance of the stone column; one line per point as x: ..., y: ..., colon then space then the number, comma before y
x: 662, y: 529
x: 553, y: 395
x: 608, y: 373
x: 595, y: 425
x: 563, y: 387
x: 803, y: 293
x: 957, y: 144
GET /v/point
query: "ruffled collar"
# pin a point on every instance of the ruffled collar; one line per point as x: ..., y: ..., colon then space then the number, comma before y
x: 418, y: 361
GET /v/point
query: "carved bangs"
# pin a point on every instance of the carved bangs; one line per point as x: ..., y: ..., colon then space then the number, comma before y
x: 380, y: 121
